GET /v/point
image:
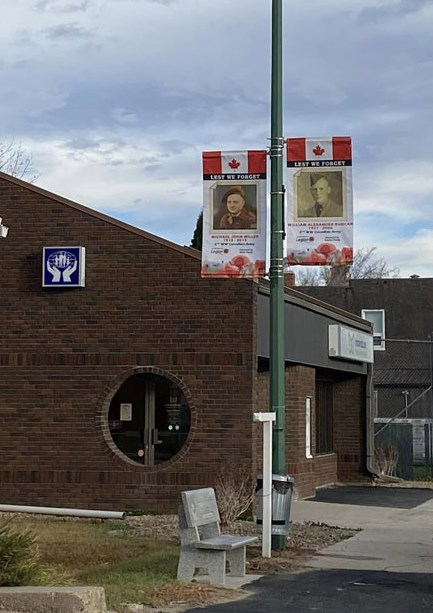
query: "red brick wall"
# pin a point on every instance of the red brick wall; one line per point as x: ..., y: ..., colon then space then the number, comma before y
x: 326, y: 469
x: 64, y: 352
x: 300, y: 383
x: 347, y: 463
x: 308, y: 473
x: 350, y: 429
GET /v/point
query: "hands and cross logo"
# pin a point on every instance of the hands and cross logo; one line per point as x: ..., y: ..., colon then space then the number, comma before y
x: 61, y: 265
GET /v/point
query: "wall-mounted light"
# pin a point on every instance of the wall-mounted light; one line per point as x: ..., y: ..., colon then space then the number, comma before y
x: 3, y: 229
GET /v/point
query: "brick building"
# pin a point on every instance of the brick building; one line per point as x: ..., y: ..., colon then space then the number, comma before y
x: 121, y: 391
x: 400, y: 311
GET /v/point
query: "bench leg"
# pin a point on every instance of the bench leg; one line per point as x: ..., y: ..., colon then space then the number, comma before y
x: 237, y: 560
x: 216, y: 567
x: 185, y: 567
x: 213, y: 561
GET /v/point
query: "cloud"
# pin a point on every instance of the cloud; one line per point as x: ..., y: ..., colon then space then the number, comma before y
x: 62, y: 7
x: 164, y: 2
x: 123, y: 116
x: 118, y: 98
x: 411, y: 254
x: 402, y: 191
x: 67, y: 31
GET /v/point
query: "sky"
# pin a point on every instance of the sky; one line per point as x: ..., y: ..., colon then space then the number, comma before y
x: 117, y: 99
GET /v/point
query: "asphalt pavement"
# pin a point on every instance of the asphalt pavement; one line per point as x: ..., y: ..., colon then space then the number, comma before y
x: 387, y: 567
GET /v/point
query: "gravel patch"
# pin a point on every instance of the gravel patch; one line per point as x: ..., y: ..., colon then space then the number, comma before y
x: 303, y: 540
x: 309, y: 535
x: 396, y: 482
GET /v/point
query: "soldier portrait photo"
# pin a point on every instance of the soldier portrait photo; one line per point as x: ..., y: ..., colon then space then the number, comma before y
x: 235, y: 207
x: 319, y: 194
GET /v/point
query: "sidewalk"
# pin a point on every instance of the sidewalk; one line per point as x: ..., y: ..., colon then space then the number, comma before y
x: 385, y: 568
x: 395, y: 536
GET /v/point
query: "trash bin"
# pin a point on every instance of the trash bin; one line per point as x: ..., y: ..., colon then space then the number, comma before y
x: 282, y: 488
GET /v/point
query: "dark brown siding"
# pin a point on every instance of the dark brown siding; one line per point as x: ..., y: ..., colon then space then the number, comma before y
x: 64, y: 353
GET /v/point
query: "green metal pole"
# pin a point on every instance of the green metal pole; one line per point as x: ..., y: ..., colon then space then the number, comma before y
x: 276, y: 273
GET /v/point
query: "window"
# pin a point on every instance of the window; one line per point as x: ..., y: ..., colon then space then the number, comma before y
x: 149, y: 419
x: 324, y: 417
x: 377, y: 318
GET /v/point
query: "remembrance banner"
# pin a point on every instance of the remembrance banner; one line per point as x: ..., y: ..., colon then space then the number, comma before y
x: 320, y: 201
x: 234, y: 214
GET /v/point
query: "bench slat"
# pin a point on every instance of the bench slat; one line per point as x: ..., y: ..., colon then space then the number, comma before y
x: 200, y: 507
x: 225, y: 542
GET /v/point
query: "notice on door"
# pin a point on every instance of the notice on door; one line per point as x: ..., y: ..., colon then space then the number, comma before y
x: 126, y: 411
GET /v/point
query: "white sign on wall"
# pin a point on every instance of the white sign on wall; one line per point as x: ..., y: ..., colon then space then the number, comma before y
x: 308, y: 453
x: 350, y: 344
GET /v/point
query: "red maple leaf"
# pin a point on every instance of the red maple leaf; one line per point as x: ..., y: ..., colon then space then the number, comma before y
x: 318, y: 150
x: 234, y: 164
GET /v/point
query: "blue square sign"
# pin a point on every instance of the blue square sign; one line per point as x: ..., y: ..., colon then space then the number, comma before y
x: 63, y: 267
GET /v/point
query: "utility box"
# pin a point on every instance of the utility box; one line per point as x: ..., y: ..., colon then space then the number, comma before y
x: 282, y: 489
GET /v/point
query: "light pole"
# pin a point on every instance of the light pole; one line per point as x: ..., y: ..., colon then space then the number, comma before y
x: 276, y: 273
x: 405, y: 394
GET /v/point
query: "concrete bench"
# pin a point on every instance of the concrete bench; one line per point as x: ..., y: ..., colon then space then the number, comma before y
x: 202, y: 546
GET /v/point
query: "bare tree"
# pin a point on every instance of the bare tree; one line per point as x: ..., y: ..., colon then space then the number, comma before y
x: 310, y: 276
x: 366, y: 265
x: 15, y: 161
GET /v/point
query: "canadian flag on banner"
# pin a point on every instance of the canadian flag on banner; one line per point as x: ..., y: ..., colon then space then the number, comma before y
x: 234, y: 163
x: 319, y: 149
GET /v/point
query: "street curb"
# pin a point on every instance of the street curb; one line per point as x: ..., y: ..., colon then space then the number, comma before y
x: 49, y: 599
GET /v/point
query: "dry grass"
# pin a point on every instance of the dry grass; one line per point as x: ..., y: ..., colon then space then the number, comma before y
x: 81, y: 545
x: 135, y: 560
x: 107, y: 553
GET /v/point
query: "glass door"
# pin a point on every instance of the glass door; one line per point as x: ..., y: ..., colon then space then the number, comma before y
x: 149, y: 419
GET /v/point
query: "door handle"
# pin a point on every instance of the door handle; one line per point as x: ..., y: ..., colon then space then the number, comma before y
x: 155, y: 440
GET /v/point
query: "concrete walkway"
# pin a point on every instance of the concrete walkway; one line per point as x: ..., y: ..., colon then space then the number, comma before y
x: 385, y: 568
x: 396, y: 524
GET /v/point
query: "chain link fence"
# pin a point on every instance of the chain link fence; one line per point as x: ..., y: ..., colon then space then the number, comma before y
x: 402, y: 379
x: 403, y: 396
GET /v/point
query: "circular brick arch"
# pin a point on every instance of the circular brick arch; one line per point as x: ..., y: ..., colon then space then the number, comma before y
x: 107, y: 397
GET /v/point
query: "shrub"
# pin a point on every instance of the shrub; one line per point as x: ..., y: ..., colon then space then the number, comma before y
x: 234, y: 489
x: 385, y: 458
x: 19, y: 559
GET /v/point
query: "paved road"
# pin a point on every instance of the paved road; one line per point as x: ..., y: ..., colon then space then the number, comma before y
x: 335, y: 591
x: 388, y: 497
x: 385, y: 568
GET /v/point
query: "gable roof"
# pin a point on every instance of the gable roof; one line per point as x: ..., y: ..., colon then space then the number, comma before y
x: 188, y: 251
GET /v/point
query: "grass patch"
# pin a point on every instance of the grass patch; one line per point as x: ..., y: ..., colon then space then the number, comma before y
x: 110, y: 554
x: 422, y: 473
x: 19, y: 561
x: 142, y: 580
